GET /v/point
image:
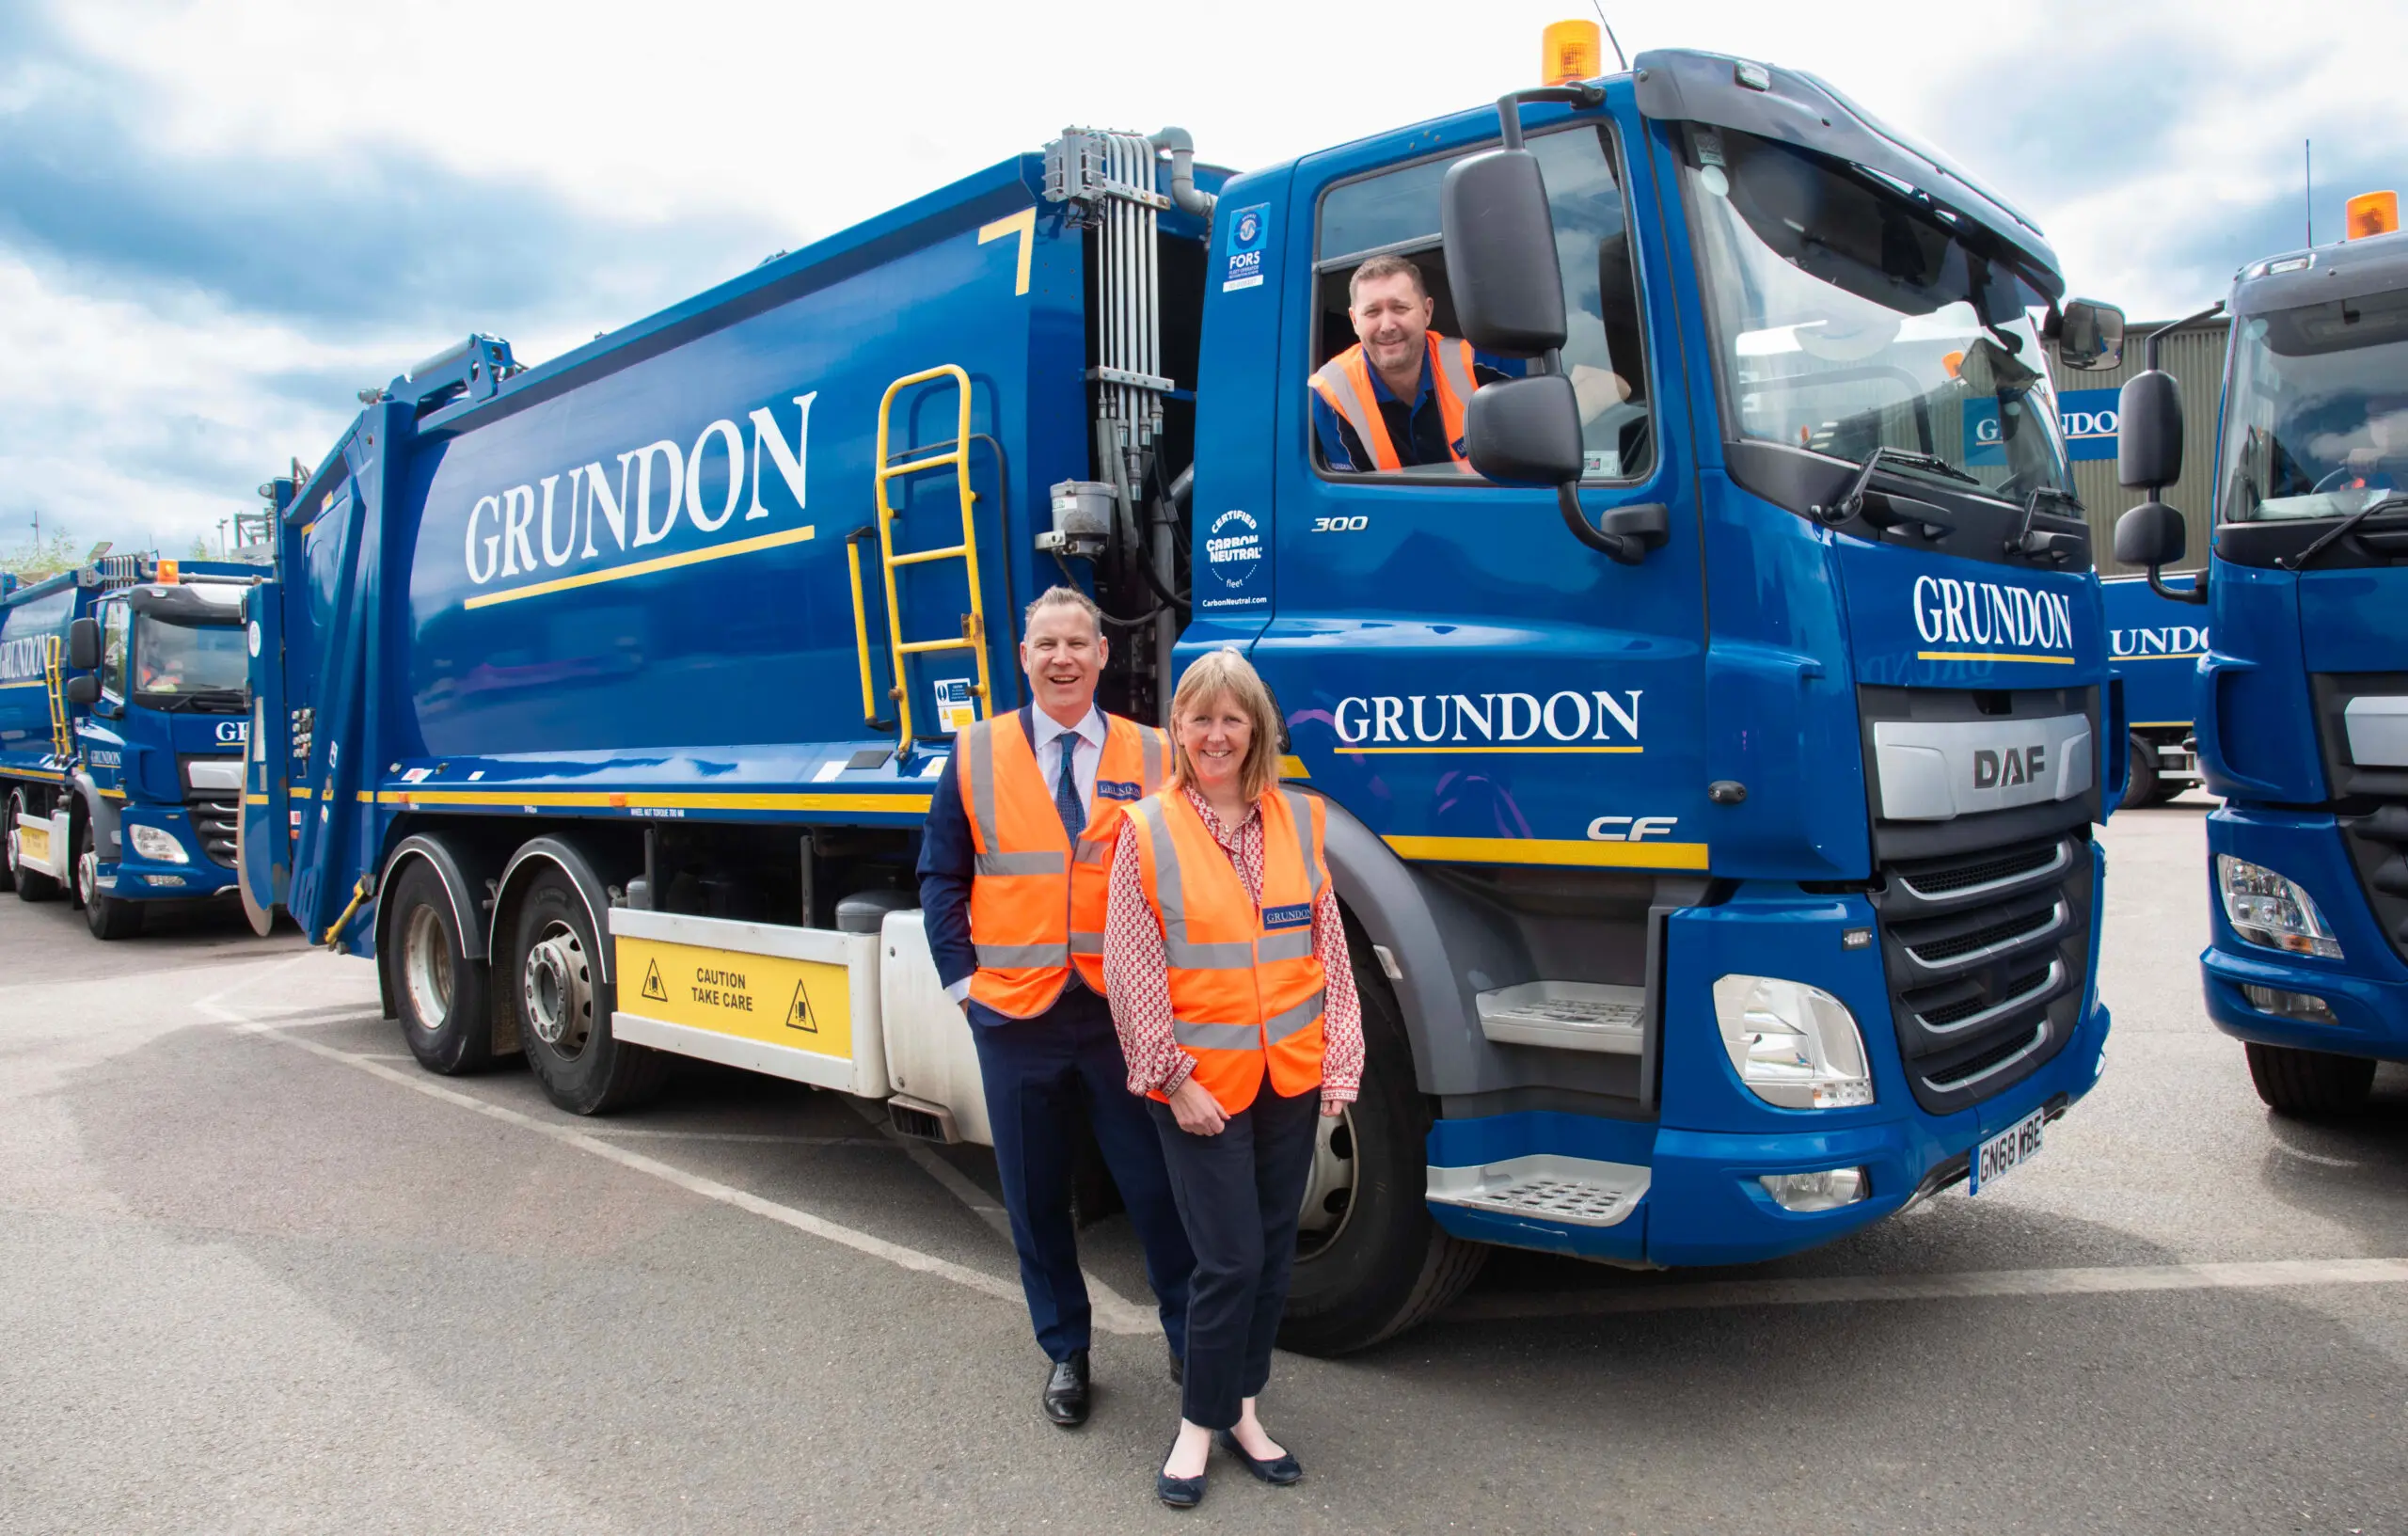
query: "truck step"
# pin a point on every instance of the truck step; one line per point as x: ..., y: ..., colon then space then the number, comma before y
x: 1544, y: 1185
x: 1567, y: 1015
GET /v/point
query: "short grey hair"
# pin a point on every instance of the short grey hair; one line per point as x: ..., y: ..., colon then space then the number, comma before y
x: 1061, y: 597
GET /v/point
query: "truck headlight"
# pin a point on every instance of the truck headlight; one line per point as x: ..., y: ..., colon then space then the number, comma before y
x: 2265, y: 909
x: 1793, y: 1045
x: 156, y: 843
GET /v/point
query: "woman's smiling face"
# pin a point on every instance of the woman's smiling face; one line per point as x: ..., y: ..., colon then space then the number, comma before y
x: 1215, y: 732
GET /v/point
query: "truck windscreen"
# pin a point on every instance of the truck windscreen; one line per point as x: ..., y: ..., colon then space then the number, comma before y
x: 2316, y: 419
x: 191, y: 665
x: 1851, y: 313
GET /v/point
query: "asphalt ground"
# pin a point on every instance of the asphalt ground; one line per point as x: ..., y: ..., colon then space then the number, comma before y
x: 258, y: 1273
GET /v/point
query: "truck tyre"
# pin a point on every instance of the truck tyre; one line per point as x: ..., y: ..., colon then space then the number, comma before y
x: 2310, y: 1083
x: 2142, y: 787
x: 108, y: 917
x: 32, y: 885
x: 441, y: 996
x: 1369, y: 1261
x: 561, y: 1005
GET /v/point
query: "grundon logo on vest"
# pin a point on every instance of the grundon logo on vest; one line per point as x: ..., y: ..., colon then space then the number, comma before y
x: 1952, y: 612
x: 575, y: 521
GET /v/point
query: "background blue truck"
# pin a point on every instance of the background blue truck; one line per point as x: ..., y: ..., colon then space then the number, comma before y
x: 2153, y: 645
x: 1712, y: 780
x: 2303, y: 696
x: 123, y: 709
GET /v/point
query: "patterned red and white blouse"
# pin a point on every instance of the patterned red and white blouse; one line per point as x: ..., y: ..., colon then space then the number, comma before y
x: 1137, y: 975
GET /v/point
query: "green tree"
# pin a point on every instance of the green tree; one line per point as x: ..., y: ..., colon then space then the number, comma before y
x: 30, y: 562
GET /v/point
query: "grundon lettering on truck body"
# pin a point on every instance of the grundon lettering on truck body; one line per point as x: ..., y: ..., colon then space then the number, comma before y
x: 1593, y: 721
x: 1949, y: 611
x: 536, y: 528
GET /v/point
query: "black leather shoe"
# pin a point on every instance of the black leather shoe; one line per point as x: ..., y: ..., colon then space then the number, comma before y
x: 1066, y: 1394
x: 1178, y: 1369
x: 1178, y: 1493
x: 1279, y: 1472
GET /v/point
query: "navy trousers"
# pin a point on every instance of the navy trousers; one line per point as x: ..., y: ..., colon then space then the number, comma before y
x: 1239, y: 1195
x: 1043, y: 1076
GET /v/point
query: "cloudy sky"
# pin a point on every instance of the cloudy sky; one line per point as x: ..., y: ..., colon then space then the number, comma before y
x: 220, y: 221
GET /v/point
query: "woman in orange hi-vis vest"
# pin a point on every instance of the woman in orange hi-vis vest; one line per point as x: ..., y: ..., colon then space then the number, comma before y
x: 1224, y: 960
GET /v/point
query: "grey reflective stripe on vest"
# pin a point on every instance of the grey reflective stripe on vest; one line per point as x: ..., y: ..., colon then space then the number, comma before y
x: 1157, y: 757
x: 1170, y: 898
x: 1040, y: 862
x: 1281, y: 1025
x: 1454, y: 360
x: 1338, y: 391
x: 1022, y: 957
x: 1300, y: 809
x: 1215, y: 1037
x: 1085, y: 942
x: 976, y: 746
x: 1092, y: 853
x: 1286, y: 944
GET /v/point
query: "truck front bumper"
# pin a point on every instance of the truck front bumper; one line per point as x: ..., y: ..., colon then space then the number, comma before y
x: 2366, y: 991
x: 133, y: 877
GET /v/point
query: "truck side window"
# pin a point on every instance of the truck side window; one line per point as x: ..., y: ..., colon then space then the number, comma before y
x: 1394, y: 214
x: 114, y: 630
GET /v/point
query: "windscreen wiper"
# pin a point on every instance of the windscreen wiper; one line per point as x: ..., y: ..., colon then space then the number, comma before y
x: 2393, y: 502
x: 239, y: 699
x: 1851, y: 500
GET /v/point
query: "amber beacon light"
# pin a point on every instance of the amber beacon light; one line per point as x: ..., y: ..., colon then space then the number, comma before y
x: 1570, y: 51
x: 2368, y: 212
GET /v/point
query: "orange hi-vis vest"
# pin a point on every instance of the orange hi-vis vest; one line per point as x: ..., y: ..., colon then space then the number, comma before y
x: 1037, y: 907
x: 1345, y: 383
x: 1245, y: 989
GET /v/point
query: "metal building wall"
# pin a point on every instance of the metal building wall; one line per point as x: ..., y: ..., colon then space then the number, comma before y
x: 2194, y: 355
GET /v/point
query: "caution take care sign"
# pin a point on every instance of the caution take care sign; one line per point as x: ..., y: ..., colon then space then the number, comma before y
x: 801, y: 1005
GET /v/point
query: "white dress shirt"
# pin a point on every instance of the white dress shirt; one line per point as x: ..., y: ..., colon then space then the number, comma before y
x: 1085, y: 741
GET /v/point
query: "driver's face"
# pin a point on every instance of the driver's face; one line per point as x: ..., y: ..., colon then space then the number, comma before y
x: 1390, y: 318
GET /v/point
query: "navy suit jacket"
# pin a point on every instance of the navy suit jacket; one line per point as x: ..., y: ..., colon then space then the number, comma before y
x: 948, y: 863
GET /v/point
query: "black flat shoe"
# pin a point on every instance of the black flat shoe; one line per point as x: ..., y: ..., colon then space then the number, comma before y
x: 1279, y: 1472
x: 1178, y: 1493
x: 1067, y: 1395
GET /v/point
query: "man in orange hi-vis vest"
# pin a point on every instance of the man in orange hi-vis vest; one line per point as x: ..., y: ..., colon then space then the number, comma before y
x: 1395, y: 399
x: 1015, y: 864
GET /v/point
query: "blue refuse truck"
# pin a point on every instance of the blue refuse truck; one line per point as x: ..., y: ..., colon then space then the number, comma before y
x: 2301, y: 698
x: 1712, y: 775
x: 2154, y: 644
x: 124, y: 705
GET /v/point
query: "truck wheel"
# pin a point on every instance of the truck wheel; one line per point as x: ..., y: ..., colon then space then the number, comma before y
x: 2144, y: 786
x: 2310, y: 1083
x: 562, y: 1006
x: 104, y: 914
x: 1369, y: 1261
x: 32, y: 884
x: 439, y: 994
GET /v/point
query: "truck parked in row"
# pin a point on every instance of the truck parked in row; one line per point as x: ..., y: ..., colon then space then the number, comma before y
x: 2153, y: 647
x: 1711, y: 776
x: 2302, y: 696
x: 124, y: 711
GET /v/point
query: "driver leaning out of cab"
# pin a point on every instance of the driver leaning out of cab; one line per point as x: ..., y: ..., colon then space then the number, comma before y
x: 1396, y: 397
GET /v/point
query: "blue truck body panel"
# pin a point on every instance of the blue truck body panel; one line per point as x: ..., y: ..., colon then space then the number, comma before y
x: 612, y: 594
x: 2154, y: 648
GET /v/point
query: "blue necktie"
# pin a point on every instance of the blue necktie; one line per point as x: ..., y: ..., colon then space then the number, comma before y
x: 1066, y: 790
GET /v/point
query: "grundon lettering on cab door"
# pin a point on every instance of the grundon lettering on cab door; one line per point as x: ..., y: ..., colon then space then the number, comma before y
x: 1952, y: 612
x: 1502, y: 718
x: 598, y: 514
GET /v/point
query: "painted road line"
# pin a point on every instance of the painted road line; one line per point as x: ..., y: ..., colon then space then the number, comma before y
x: 709, y: 1189
x: 1972, y: 1284
x: 1108, y: 1304
x: 760, y: 1139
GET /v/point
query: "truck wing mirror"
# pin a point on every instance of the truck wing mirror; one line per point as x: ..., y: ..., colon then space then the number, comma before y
x: 83, y: 689
x: 1500, y: 254
x: 2152, y: 535
x: 2148, y: 431
x: 1524, y: 432
x: 84, y: 645
x: 2090, y: 336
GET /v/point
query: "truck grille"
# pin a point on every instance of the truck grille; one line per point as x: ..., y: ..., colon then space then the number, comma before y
x: 1988, y: 954
x: 2370, y: 803
x: 216, y: 816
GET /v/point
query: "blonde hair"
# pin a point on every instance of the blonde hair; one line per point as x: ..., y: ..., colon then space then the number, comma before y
x: 1216, y: 674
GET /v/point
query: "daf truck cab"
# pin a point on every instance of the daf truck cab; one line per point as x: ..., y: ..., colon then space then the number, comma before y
x: 2302, y: 696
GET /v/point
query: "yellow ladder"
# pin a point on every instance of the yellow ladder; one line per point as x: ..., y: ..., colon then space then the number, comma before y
x: 974, y: 624
x: 62, y: 740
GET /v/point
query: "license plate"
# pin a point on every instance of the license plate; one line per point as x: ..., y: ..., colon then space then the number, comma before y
x: 2009, y: 1149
